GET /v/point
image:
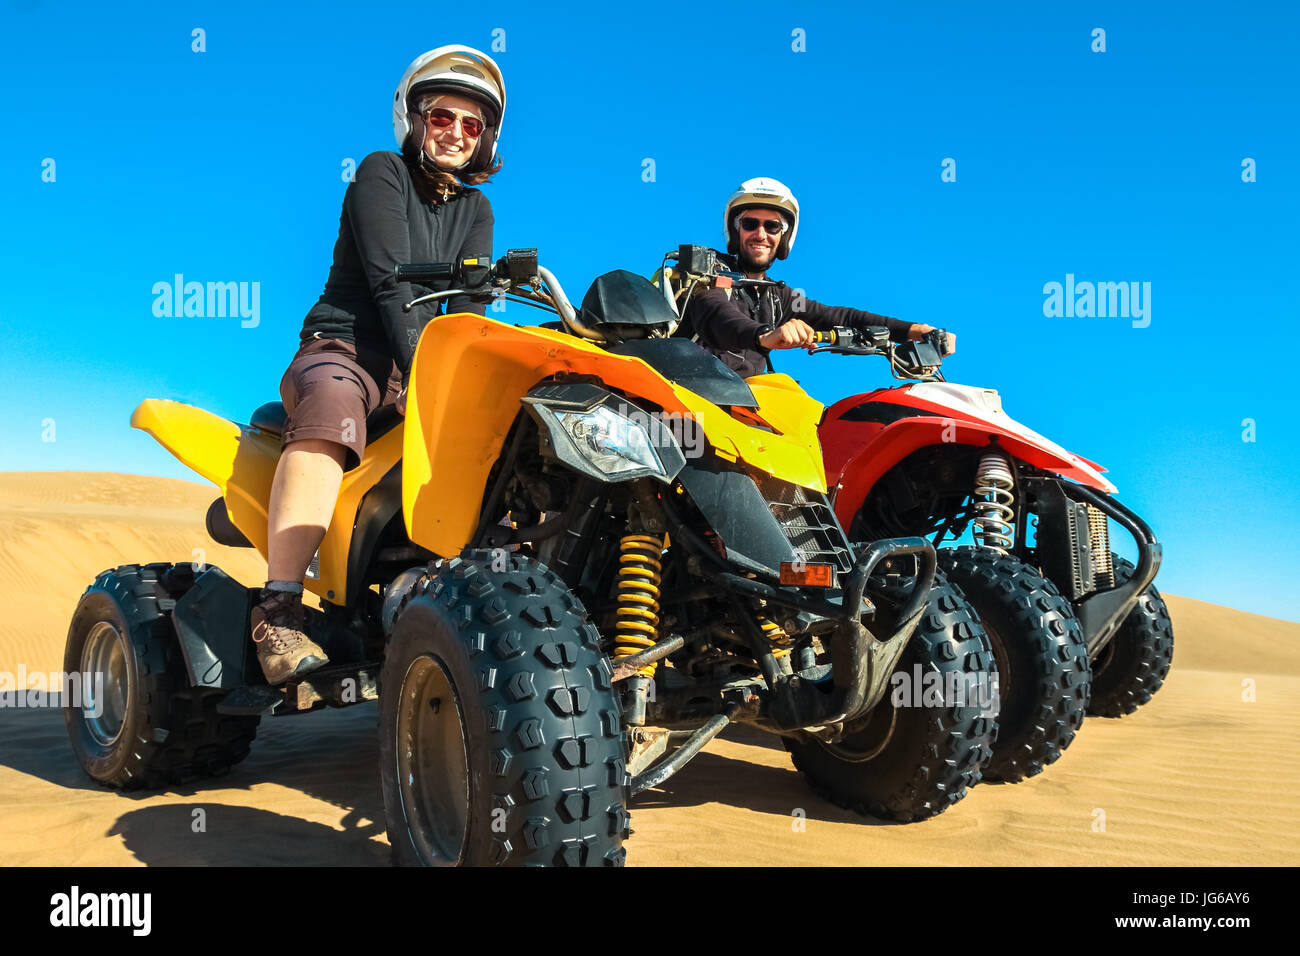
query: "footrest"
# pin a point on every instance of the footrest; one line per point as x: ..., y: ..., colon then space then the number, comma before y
x: 246, y: 701
x: 338, y: 686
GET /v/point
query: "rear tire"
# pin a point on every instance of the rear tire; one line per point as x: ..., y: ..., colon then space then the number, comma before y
x: 906, y: 763
x: 500, y: 735
x: 152, y: 727
x: 1045, y: 682
x: 1134, y: 664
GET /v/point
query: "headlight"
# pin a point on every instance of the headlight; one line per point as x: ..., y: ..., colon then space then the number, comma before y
x: 613, y: 444
x: 605, y: 436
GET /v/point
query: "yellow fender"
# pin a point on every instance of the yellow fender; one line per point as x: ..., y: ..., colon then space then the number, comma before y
x: 787, y: 407
x: 203, y: 442
x: 468, y: 375
x: 241, y: 460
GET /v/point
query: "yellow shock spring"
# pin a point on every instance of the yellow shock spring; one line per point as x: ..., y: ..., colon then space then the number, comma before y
x: 638, y: 596
x: 776, y: 636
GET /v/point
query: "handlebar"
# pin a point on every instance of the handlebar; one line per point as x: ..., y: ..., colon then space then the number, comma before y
x: 700, y: 266
x: 918, y: 360
x: 516, y: 275
x: 867, y: 341
x: 425, y: 271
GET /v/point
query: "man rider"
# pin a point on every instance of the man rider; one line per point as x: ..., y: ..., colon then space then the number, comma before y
x: 742, y: 325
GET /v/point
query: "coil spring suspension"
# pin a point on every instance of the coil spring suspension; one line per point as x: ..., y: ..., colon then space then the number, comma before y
x: 993, y: 502
x: 638, y: 596
x: 776, y: 636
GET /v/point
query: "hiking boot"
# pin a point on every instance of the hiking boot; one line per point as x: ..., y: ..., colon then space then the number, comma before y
x: 279, y: 624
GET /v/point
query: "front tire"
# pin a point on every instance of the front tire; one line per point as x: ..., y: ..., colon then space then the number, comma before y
x: 1134, y: 664
x: 905, y: 762
x: 1045, y: 681
x: 500, y: 733
x: 145, y: 726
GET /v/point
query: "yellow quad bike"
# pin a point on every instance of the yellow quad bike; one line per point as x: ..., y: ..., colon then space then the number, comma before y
x: 586, y: 550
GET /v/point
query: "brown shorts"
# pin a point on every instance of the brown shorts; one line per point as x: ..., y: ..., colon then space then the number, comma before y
x: 329, y: 389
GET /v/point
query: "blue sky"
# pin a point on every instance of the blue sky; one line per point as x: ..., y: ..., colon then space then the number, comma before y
x: 225, y: 165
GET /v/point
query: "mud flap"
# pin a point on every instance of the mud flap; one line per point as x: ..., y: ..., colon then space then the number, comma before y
x: 211, y: 622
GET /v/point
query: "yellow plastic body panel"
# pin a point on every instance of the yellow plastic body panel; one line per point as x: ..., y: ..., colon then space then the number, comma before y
x: 467, y: 377
x: 237, y: 459
x: 381, y: 455
x: 787, y: 407
x: 202, y: 441
x: 241, y: 462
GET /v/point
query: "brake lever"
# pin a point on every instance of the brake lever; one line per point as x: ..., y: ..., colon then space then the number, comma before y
x: 844, y: 350
x: 431, y: 297
x: 477, y: 294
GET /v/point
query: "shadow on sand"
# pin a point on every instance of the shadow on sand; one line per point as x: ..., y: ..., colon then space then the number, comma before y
x: 331, y: 756
x: 736, y: 782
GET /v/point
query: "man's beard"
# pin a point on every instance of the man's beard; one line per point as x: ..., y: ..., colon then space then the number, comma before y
x: 749, y: 265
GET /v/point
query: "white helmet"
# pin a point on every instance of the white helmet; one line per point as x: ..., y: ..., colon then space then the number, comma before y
x: 762, y: 192
x: 462, y: 71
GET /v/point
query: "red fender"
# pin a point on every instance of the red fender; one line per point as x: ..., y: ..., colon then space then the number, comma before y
x: 858, y: 453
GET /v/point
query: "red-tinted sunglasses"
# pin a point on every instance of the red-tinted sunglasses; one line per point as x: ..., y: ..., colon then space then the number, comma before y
x: 440, y: 118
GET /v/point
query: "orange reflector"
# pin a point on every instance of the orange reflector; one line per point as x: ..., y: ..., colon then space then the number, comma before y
x: 807, y: 575
x: 722, y: 282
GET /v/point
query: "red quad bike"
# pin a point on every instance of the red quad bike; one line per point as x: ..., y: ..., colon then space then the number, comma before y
x: 1074, y: 627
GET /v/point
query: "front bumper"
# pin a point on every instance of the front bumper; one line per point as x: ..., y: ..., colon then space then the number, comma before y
x: 1102, y: 610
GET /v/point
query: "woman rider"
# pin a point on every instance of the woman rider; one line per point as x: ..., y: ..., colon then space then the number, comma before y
x: 356, y: 342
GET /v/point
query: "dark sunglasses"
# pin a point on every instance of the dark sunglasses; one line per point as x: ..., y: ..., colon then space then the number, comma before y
x: 440, y: 118
x: 774, y: 227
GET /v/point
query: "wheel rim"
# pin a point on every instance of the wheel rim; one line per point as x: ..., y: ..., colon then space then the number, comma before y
x: 107, y: 683
x: 866, y: 742
x: 1001, y: 660
x: 432, y: 763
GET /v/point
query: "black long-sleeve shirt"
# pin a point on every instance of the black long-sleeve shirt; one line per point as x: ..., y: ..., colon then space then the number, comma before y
x: 384, y: 223
x: 727, y: 321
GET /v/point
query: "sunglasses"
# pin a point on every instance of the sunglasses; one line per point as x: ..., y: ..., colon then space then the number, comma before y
x: 440, y: 118
x: 774, y: 227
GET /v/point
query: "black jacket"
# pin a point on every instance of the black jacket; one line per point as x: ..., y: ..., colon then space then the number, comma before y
x: 727, y: 321
x: 384, y: 223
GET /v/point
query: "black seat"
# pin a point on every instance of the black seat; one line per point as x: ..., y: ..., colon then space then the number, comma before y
x: 270, y: 418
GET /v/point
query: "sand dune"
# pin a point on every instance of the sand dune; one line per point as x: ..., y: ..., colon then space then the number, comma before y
x: 1200, y: 776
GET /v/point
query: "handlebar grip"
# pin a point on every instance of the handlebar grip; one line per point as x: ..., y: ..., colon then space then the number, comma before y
x: 939, y: 339
x: 425, y: 271
x: 829, y: 337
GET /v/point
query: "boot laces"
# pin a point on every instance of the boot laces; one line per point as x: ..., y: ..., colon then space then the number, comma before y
x: 286, y: 620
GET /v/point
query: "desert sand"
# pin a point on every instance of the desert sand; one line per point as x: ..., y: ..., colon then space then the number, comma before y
x: 1205, y: 774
